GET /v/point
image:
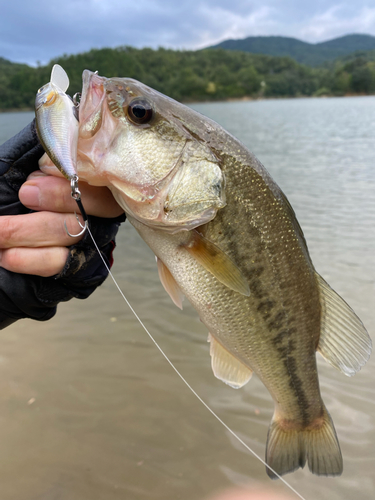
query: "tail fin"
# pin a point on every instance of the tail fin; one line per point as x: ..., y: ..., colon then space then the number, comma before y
x: 288, y: 449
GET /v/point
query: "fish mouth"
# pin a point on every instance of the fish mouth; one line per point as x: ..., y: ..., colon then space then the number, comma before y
x: 92, y: 94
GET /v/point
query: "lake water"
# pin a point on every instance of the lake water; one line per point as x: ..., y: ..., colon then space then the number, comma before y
x: 89, y: 409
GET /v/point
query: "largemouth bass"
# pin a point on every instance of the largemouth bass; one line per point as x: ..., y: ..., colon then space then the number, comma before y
x: 226, y: 237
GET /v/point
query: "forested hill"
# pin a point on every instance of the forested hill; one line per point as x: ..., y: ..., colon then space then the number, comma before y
x: 303, y: 52
x: 212, y: 74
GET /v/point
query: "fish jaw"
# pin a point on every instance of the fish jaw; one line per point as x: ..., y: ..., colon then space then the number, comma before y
x: 90, y: 107
x: 158, y: 171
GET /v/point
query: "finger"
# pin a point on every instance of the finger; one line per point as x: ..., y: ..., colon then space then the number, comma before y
x: 39, y: 229
x: 48, y: 167
x: 39, y: 261
x: 45, y: 192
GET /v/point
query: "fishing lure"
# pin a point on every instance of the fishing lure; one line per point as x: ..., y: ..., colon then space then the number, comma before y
x: 57, y: 127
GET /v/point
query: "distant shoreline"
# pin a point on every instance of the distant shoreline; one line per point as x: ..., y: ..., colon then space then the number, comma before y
x: 277, y: 98
x: 231, y: 99
x: 17, y: 110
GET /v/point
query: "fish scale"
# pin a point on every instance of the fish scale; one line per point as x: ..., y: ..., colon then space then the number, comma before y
x: 234, y: 321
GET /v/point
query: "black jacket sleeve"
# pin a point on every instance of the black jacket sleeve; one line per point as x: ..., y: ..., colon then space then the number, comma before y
x: 27, y: 296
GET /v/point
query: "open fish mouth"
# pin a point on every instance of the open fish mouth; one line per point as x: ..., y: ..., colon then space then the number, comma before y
x: 93, y: 94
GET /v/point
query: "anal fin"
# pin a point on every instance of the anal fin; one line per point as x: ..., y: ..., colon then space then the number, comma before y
x: 226, y: 367
x: 218, y: 263
x: 344, y: 341
x: 169, y: 283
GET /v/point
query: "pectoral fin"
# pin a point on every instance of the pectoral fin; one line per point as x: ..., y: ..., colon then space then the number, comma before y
x: 226, y: 367
x: 344, y: 341
x: 218, y: 263
x: 169, y: 283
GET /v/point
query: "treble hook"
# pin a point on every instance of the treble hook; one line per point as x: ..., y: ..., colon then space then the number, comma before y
x: 76, y: 195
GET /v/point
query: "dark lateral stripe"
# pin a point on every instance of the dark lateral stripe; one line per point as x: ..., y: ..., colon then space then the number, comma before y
x: 295, y: 382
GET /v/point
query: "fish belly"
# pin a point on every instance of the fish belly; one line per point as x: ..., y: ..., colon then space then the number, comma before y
x: 257, y: 330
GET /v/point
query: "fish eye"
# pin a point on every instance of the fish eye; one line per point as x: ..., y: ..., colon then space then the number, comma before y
x: 140, y: 111
x: 42, y: 88
x: 50, y: 98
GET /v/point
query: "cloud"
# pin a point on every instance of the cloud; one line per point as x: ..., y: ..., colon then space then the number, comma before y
x: 223, y: 23
x: 47, y: 31
x: 44, y: 29
x: 339, y: 20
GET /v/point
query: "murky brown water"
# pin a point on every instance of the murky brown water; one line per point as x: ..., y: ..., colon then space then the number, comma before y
x: 90, y: 410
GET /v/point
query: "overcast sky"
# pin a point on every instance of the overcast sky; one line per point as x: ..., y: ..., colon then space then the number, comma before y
x: 39, y: 30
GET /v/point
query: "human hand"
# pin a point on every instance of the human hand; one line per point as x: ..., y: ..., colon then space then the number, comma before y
x: 36, y: 243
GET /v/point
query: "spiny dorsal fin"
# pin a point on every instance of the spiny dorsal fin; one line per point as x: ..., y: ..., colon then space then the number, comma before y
x: 217, y: 263
x: 226, y: 367
x: 169, y: 283
x: 344, y: 341
x: 59, y: 78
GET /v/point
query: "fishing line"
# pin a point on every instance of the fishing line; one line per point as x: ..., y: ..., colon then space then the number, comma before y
x: 184, y: 380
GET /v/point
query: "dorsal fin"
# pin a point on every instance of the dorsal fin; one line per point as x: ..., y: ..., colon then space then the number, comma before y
x: 169, y: 283
x: 217, y: 262
x: 59, y: 78
x: 344, y: 341
x: 226, y: 367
